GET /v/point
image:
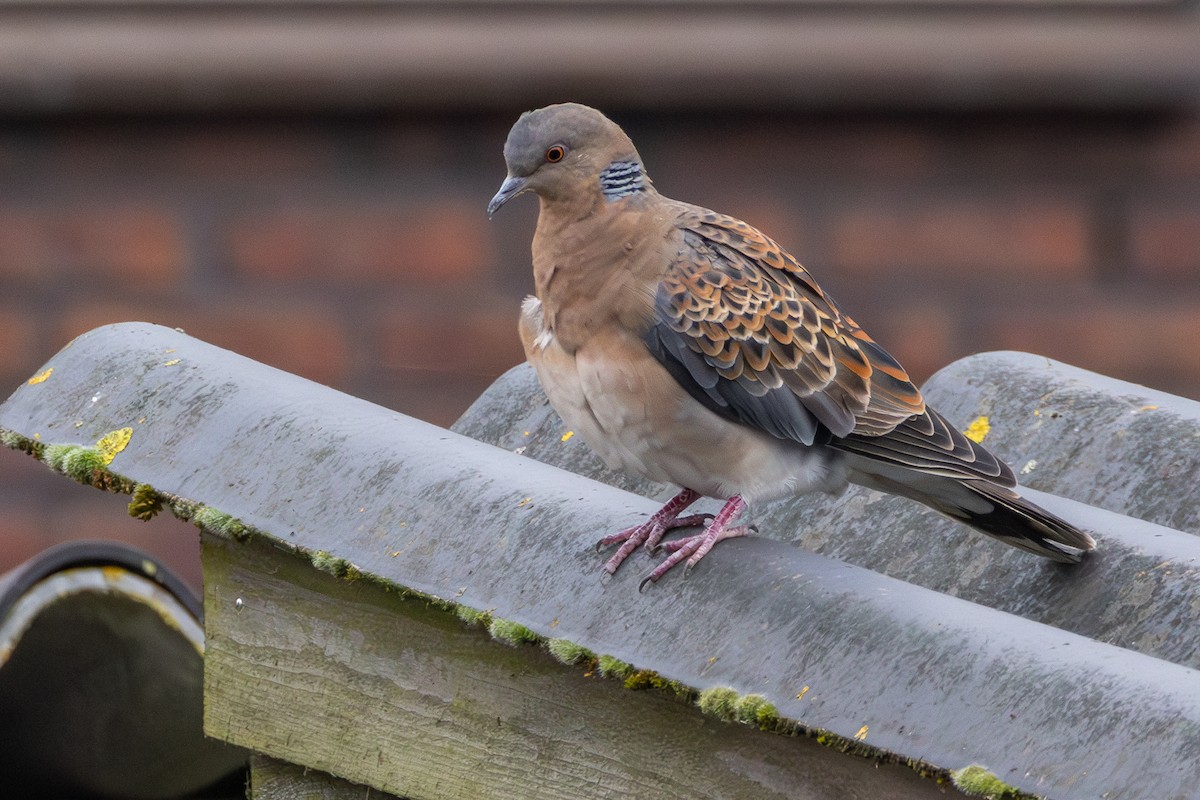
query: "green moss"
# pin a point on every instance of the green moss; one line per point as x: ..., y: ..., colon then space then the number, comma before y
x: 220, y: 524
x: 337, y: 567
x: 473, y: 616
x: 509, y: 632
x: 82, y: 463
x: 16, y: 441
x: 184, y: 510
x: 612, y: 667
x: 727, y: 704
x: 11, y: 439
x: 641, y: 679
x: 568, y: 652
x: 145, y: 503
x: 327, y: 562
x: 979, y: 781
x: 680, y: 690
x: 720, y: 702
x: 754, y: 709
x: 55, y: 454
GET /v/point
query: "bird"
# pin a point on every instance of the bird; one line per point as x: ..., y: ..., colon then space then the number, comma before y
x: 687, y: 347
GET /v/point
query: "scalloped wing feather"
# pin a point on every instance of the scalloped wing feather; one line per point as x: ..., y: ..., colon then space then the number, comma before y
x: 759, y: 319
x: 749, y: 332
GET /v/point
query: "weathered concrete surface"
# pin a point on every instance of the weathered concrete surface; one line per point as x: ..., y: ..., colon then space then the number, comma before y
x: 1104, y: 442
x: 930, y: 676
x: 1140, y: 590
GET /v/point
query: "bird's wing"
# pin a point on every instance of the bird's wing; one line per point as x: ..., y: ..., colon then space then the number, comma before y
x: 746, y: 330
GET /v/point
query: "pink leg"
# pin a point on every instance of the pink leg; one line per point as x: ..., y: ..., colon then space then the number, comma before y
x: 694, y: 548
x: 651, y: 531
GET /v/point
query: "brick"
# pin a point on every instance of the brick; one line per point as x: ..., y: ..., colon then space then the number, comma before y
x: 1044, y: 240
x: 26, y: 248
x: 436, y: 398
x: 19, y: 351
x: 1173, y: 151
x: 305, y: 338
x: 432, y: 243
x: 250, y: 152
x: 405, y: 142
x: 21, y: 479
x: 23, y: 534
x: 783, y: 151
x: 476, y: 341
x: 168, y: 150
x: 1150, y: 341
x: 874, y: 150
x: 1165, y: 241
x: 920, y: 336
x: 784, y: 223
x: 437, y: 364
x: 143, y: 246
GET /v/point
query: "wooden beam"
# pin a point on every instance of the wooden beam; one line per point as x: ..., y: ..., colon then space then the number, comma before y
x: 347, y: 677
x: 272, y: 779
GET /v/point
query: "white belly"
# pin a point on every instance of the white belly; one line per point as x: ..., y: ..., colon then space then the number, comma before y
x: 629, y: 409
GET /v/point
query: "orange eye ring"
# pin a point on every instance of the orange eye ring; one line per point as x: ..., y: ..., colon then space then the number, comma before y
x: 556, y: 153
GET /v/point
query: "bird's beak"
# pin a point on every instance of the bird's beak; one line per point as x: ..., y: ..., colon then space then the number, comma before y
x: 511, y: 187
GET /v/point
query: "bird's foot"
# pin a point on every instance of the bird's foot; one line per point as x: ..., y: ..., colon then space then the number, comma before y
x: 693, y: 548
x: 650, y: 532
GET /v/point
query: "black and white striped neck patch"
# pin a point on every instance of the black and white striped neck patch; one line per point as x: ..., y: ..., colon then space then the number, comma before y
x: 622, y: 178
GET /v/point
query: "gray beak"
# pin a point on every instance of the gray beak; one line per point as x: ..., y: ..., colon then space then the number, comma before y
x: 511, y: 187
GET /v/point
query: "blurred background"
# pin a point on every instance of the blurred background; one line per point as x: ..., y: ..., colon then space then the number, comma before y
x: 305, y: 182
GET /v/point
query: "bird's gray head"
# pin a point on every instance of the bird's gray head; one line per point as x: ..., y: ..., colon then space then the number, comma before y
x: 561, y: 150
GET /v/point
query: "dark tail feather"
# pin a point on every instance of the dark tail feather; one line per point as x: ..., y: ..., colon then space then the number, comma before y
x: 1020, y: 523
x: 988, y: 507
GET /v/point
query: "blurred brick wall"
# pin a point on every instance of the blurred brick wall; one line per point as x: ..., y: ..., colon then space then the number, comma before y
x: 355, y: 250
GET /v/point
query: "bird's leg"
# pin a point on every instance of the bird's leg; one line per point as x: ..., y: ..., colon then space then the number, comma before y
x: 694, y: 548
x: 651, y: 531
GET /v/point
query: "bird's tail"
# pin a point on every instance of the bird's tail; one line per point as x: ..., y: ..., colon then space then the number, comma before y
x: 1021, y: 523
x: 987, y: 507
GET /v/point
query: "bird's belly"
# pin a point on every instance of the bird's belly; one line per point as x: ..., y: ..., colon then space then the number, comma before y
x: 641, y: 421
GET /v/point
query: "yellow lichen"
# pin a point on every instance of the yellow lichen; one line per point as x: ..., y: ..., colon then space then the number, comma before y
x: 41, y: 377
x: 978, y: 430
x: 112, y: 443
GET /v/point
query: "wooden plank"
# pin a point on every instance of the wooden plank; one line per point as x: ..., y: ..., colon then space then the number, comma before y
x: 272, y: 779
x: 401, y: 695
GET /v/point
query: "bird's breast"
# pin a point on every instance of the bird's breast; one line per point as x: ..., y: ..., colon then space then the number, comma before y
x: 599, y: 271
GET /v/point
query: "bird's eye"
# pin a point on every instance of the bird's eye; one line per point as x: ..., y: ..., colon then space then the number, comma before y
x: 556, y: 153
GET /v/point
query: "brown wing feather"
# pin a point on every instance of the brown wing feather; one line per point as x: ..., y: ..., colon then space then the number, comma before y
x: 759, y: 318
